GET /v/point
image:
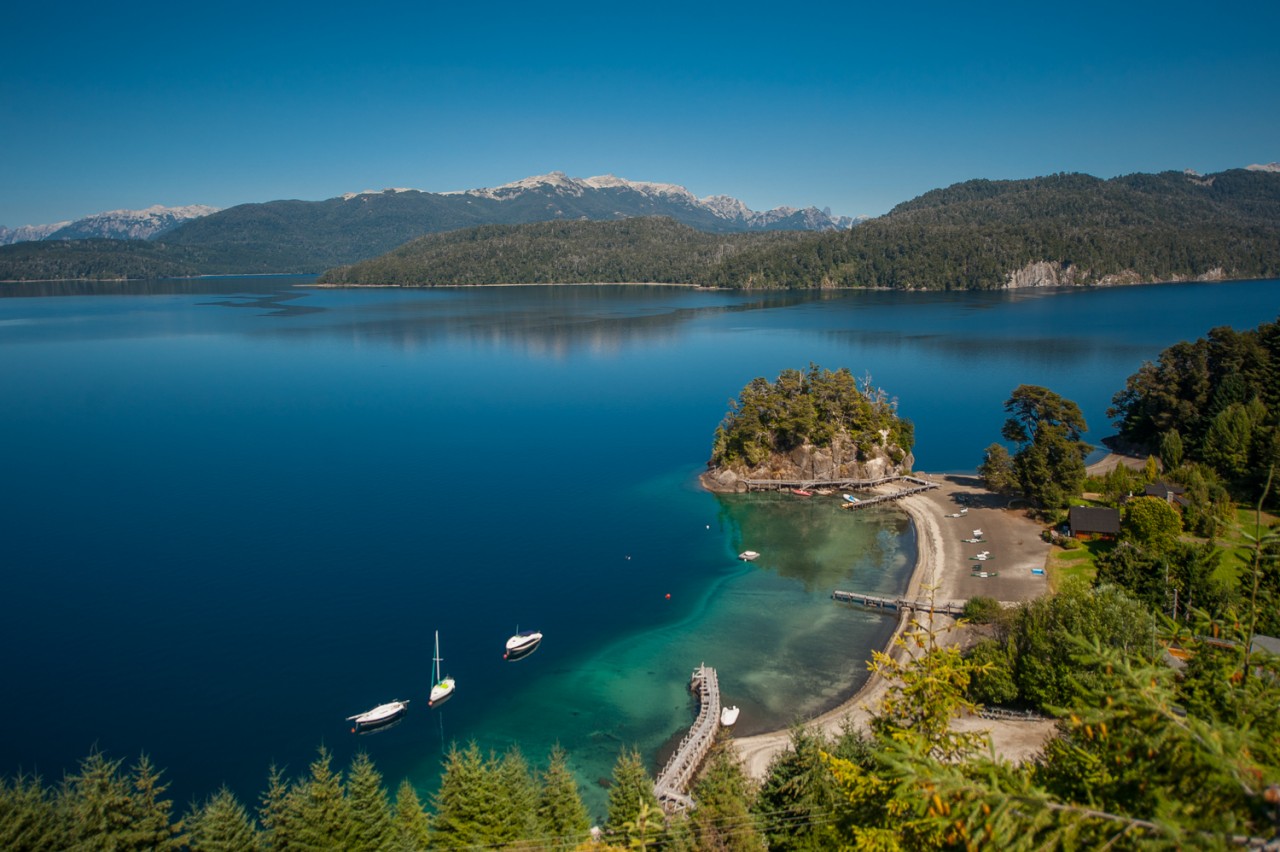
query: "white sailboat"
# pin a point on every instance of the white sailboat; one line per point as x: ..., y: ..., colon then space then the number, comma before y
x: 441, y: 687
x: 381, y: 716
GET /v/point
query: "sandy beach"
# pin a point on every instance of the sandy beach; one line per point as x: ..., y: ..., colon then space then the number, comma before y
x: 944, y: 568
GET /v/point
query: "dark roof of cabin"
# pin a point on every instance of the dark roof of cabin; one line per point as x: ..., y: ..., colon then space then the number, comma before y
x: 1093, y: 519
x: 1163, y: 489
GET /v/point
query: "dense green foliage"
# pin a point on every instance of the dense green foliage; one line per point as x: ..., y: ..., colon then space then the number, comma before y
x: 101, y: 260
x: 650, y: 250
x: 973, y: 235
x: 1215, y: 401
x: 1048, y: 466
x: 824, y: 408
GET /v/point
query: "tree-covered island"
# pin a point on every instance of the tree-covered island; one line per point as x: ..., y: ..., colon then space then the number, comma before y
x: 812, y: 425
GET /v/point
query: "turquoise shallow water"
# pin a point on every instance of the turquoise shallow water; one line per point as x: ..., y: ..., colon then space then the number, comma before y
x: 236, y: 511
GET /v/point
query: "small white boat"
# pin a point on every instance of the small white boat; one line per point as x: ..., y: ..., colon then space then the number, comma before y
x: 728, y: 716
x: 977, y: 533
x: 380, y: 716
x: 748, y: 556
x: 442, y: 687
x: 522, y: 644
x: 850, y: 498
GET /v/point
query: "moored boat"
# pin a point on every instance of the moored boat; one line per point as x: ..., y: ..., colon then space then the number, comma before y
x: 800, y: 492
x: 378, y: 717
x: 522, y: 644
x: 728, y: 716
x: 442, y: 687
x: 748, y: 555
x: 849, y: 498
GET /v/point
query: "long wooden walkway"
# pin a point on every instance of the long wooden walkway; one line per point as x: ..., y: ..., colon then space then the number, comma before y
x: 897, y: 604
x: 847, y: 484
x: 917, y: 485
x: 674, y: 778
x: 920, y: 485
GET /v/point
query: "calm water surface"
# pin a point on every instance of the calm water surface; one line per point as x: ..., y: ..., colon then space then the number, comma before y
x: 236, y: 510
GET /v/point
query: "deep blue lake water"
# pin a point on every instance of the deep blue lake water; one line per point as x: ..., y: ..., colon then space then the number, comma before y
x: 236, y: 510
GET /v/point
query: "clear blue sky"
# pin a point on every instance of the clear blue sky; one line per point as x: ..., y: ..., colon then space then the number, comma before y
x: 852, y: 106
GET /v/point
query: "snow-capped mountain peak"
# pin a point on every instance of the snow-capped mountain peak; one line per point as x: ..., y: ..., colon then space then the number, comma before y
x: 112, y: 225
x: 732, y: 212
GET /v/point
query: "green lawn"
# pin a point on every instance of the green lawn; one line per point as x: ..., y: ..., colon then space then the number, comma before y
x: 1237, y: 557
x: 1076, y: 562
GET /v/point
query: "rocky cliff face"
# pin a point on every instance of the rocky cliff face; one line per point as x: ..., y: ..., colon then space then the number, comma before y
x: 807, y: 463
x: 1044, y: 274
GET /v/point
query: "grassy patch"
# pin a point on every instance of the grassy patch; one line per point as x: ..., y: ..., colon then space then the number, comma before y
x: 1237, y: 556
x: 1081, y: 561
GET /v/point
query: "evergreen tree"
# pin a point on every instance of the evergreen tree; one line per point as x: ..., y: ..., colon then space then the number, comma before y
x: 631, y: 792
x: 1050, y: 458
x: 104, y: 809
x: 997, y: 470
x: 466, y: 805
x: 518, y: 794
x: 723, y: 819
x: 29, y: 816
x: 562, y: 816
x: 153, y: 826
x: 1171, y: 450
x: 221, y: 825
x: 412, y: 826
x: 274, y: 811
x: 319, y: 802
x: 371, y: 826
x: 796, y: 795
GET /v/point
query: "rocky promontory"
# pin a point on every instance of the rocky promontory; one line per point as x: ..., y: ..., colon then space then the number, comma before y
x: 816, y: 425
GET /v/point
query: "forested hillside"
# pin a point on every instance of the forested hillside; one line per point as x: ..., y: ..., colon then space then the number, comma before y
x: 1066, y: 229
x: 1078, y: 230
x: 1059, y: 230
x: 101, y: 260
x: 653, y: 250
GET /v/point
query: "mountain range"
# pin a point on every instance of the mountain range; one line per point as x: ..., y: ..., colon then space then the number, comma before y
x: 1059, y: 230
x: 539, y: 198
x: 147, y: 224
x: 1063, y: 229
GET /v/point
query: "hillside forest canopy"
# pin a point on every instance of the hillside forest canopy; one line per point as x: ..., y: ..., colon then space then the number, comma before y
x: 1064, y: 229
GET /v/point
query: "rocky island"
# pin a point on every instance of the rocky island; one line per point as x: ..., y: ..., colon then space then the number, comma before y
x: 809, y: 426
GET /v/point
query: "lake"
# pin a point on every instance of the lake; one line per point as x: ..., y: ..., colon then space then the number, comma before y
x: 237, y: 510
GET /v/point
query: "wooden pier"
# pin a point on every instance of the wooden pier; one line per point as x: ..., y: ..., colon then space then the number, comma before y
x: 897, y: 604
x: 674, y: 778
x: 917, y: 485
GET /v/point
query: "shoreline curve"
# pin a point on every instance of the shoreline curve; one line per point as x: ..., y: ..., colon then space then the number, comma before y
x: 942, y: 569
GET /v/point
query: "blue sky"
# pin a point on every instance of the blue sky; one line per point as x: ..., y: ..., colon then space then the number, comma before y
x: 109, y: 106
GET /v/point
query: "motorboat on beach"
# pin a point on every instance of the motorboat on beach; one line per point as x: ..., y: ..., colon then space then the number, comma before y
x: 522, y: 644
x: 728, y: 716
x: 379, y: 717
x: 442, y: 687
x: 748, y: 556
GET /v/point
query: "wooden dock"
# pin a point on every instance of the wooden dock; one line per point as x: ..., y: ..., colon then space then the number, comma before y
x: 673, y: 780
x: 897, y: 604
x: 917, y: 485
